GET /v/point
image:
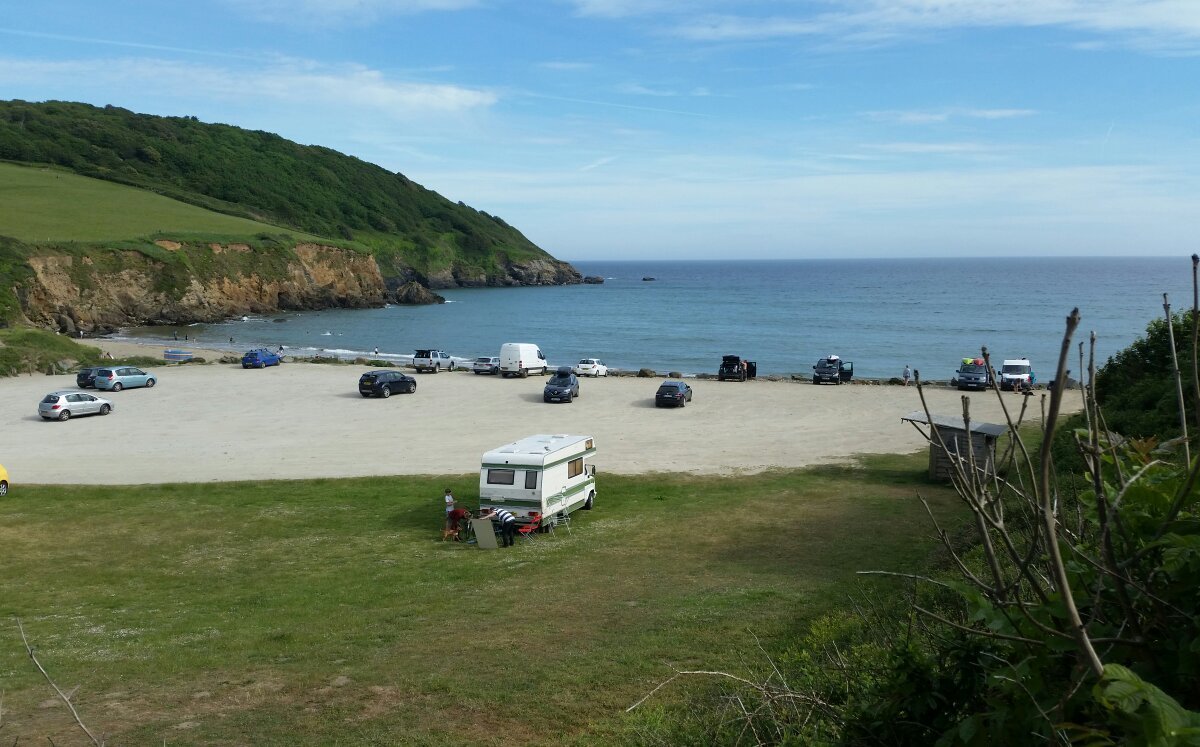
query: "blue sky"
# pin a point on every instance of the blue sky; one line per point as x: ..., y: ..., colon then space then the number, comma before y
x: 627, y: 129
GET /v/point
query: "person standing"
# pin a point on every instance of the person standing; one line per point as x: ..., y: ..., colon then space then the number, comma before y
x: 449, y: 506
x: 508, y: 524
x: 907, y: 374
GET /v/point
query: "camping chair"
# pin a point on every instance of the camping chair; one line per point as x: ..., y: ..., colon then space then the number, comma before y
x: 528, y: 530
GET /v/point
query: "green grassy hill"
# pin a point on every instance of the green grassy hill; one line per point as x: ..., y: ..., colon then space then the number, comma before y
x: 43, y: 204
x: 260, y: 176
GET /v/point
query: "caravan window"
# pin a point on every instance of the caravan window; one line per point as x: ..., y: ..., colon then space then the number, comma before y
x: 575, y: 468
x: 530, y: 480
x: 501, y: 476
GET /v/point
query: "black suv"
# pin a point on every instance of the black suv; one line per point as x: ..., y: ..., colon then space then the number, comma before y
x: 86, y: 377
x: 563, y: 386
x: 733, y: 368
x: 385, y: 383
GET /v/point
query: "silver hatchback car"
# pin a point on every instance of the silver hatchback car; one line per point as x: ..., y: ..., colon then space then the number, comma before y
x: 66, y: 404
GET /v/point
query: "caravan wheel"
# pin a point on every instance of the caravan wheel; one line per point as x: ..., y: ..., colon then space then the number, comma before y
x: 587, y: 505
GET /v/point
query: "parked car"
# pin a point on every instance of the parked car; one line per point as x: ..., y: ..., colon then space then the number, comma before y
x: 486, y: 365
x: 1017, y: 374
x: 67, y: 403
x: 732, y: 368
x: 833, y: 369
x: 125, y: 377
x: 591, y: 367
x: 672, y: 393
x: 385, y: 384
x: 563, y: 386
x: 3, y: 481
x: 260, y: 358
x: 432, y: 360
x: 86, y: 377
x: 972, y: 374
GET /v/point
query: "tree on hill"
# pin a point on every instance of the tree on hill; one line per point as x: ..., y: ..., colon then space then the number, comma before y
x: 252, y: 174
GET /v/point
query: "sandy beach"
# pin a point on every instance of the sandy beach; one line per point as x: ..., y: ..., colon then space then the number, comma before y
x: 205, y: 423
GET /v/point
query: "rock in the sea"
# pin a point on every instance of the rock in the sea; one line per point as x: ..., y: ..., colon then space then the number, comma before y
x: 674, y: 375
x: 647, y: 279
x: 593, y: 280
x: 415, y: 294
x: 646, y: 373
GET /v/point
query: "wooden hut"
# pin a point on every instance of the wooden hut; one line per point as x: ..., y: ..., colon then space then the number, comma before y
x: 959, y: 443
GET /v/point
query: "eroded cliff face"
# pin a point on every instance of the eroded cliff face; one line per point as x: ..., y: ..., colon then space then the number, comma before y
x: 71, y: 292
x: 108, y: 289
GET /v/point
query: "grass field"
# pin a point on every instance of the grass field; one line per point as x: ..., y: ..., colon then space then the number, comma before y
x: 328, y: 611
x: 40, y: 204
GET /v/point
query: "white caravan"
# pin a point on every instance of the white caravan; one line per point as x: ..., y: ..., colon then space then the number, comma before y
x: 521, y: 359
x: 547, y: 475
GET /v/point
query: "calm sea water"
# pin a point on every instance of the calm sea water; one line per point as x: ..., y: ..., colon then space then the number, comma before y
x: 880, y: 314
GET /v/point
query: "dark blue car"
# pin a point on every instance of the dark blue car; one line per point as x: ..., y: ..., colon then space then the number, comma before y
x: 259, y: 358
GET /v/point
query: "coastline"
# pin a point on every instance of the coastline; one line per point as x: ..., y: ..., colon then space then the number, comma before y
x: 218, y: 422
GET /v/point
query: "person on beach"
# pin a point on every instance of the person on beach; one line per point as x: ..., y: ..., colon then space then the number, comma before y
x: 907, y: 374
x: 175, y: 334
x: 449, y: 506
x: 454, y: 521
x: 376, y: 351
x: 508, y: 524
x: 230, y: 340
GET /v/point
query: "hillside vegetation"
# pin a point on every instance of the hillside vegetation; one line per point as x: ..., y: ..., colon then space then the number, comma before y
x: 44, y: 204
x: 255, y: 175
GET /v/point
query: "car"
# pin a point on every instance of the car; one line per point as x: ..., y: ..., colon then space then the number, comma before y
x: 86, y: 377
x: 972, y: 374
x: 385, y: 384
x: 731, y: 369
x: 672, y: 393
x: 3, y: 481
x: 123, y: 377
x: 591, y: 367
x: 1017, y: 375
x: 432, y: 360
x: 68, y: 403
x: 486, y: 365
x: 563, y: 386
x: 833, y: 369
x: 260, y: 358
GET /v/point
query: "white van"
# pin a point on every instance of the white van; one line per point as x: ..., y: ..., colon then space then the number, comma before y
x: 1017, y: 374
x: 521, y: 359
x: 544, y: 474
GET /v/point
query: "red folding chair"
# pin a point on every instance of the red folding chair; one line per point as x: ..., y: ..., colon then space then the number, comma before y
x: 528, y: 530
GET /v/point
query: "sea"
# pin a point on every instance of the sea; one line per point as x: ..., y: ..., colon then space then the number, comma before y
x: 880, y: 314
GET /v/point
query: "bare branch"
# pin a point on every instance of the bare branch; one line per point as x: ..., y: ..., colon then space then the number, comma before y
x: 1187, y: 451
x: 65, y: 698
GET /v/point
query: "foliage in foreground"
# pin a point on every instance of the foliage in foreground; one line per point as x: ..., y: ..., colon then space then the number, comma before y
x: 25, y: 350
x: 1066, y: 614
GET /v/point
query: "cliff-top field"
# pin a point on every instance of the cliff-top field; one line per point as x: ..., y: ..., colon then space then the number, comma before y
x: 43, y: 204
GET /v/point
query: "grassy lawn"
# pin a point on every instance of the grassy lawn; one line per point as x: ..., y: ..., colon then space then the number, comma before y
x: 328, y: 611
x: 40, y: 204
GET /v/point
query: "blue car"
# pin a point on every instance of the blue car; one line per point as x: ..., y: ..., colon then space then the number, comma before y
x: 123, y: 377
x: 259, y: 358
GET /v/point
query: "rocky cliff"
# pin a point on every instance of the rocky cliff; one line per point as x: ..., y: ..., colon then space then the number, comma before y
x: 98, y: 290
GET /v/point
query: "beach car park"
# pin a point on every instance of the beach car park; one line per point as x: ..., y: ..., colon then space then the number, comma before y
x: 542, y: 477
x: 67, y: 404
x: 123, y: 377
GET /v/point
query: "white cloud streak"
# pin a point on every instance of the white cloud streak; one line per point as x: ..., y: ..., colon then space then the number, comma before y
x: 295, y: 82
x: 339, y: 12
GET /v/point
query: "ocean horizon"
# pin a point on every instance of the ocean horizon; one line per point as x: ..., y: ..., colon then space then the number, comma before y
x: 881, y: 314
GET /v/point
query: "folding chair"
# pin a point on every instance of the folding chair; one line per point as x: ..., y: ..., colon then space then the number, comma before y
x: 528, y: 530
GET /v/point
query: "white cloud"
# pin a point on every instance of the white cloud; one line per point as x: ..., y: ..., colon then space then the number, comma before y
x: 928, y: 148
x: 1146, y: 23
x: 348, y: 12
x: 924, y: 117
x: 999, y: 113
x: 566, y: 65
x: 320, y: 87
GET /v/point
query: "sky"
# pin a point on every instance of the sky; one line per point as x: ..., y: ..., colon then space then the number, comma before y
x: 693, y: 129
